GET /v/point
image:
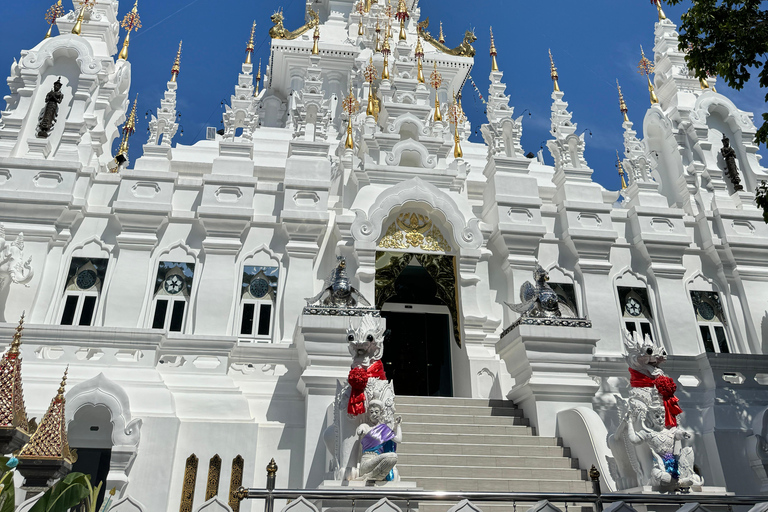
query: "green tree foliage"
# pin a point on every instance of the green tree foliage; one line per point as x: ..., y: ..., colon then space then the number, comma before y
x: 727, y: 38
x: 73, y: 491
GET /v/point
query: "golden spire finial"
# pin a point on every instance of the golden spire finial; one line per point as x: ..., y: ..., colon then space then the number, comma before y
x: 662, y: 16
x: 646, y: 67
x: 494, y: 65
x: 176, y: 65
x: 370, y: 75
x: 419, y: 53
x: 51, y: 15
x: 385, y: 50
x: 377, y: 46
x: 128, y: 129
x: 402, y: 15
x: 12, y: 411
x: 456, y: 117
x: 350, y: 105
x: 621, y: 171
x: 84, y: 5
x: 258, y: 79
x: 441, y: 39
x: 249, y: 47
x: 50, y: 439
x: 316, y: 39
x: 131, y: 22
x: 436, y: 80
x: 360, y: 11
x: 622, y: 105
x: 16, y: 343
x: 553, y: 72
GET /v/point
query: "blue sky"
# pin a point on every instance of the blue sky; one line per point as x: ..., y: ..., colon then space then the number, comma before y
x: 593, y: 43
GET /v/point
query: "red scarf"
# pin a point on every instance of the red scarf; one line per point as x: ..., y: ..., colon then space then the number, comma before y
x: 666, y: 388
x: 358, y: 380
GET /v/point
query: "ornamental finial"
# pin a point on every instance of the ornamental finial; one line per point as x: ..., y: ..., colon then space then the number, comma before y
x: 51, y: 15
x: 419, y: 53
x: 16, y: 343
x: 436, y: 80
x: 646, y: 67
x: 662, y: 16
x: 176, y: 64
x: 350, y: 106
x: 553, y: 72
x: 441, y: 39
x: 370, y: 75
x: 84, y: 5
x: 385, y: 50
x: 402, y: 15
x: 128, y: 129
x: 494, y: 65
x: 622, y: 105
x: 249, y: 47
x: 12, y: 410
x: 131, y: 22
x: 316, y: 41
x: 620, y: 168
x: 258, y: 79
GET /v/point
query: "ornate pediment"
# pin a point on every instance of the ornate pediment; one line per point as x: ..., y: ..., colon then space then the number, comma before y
x: 414, y: 231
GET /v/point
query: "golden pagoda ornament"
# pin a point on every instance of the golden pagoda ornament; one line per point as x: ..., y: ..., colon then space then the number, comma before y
x: 385, y: 50
x: 258, y: 79
x: 350, y: 105
x: 457, y: 117
x: 622, y: 104
x: 53, y: 13
x: 84, y: 6
x: 370, y: 76
x: 360, y: 11
x: 419, y: 54
x: 441, y: 39
x: 128, y: 129
x: 316, y: 39
x: 494, y: 65
x: 553, y: 72
x: 176, y: 65
x: 436, y: 80
x: 13, y: 415
x: 621, y: 171
x: 131, y: 22
x: 50, y: 439
x: 646, y: 67
x: 249, y: 47
x: 402, y: 15
x: 377, y: 46
x: 662, y: 16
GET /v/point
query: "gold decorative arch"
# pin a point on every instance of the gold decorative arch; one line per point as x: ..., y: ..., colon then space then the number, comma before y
x: 414, y: 231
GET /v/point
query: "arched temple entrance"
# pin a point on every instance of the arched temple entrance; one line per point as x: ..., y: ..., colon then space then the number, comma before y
x: 90, y: 434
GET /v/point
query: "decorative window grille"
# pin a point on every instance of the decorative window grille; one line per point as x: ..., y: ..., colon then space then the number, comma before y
x: 636, y: 310
x: 712, y: 322
x: 173, y: 288
x: 258, y: 296
x: 83, y: 291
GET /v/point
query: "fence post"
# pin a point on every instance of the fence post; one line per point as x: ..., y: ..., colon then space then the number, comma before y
x: 269, y: 502
x: 594, y: 475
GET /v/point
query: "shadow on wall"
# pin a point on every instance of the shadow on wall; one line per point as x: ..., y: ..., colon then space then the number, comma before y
x: 764, y: 331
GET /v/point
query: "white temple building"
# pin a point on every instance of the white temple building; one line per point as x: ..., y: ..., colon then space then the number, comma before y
x: 176, y: 288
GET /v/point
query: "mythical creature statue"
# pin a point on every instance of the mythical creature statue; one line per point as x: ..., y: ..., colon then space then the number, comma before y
x: 540, y: 300
x: 48, y: 117
x: 279, y: 31
x: 648, y: 443
x: 337, y: 291
x: 14, y: 269
x: 465, y: 49
x: 365, y: 430
x: 732, y: 170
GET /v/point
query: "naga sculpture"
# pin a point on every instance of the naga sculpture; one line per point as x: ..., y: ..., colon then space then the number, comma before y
x: 48, y: 117
x: 732, y: 170
x: 337, y: 291
x: 279, y: 31
x: 465, y: 49
x: 648, y: 443
x: 539, y: 300
x: 363, y: 437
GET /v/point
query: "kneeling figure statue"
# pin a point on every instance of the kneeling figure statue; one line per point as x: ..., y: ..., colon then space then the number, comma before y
x: 379, y: 444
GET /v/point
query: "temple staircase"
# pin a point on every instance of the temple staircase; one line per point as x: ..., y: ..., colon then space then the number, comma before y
x: 467, y: 444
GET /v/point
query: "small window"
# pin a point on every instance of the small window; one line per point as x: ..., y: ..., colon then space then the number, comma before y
x: 161, y: 307
x: 635, y: 309
x: 258, y: 296
x: 173, y: 286
x: 83, y: 290
x: 711, y: 319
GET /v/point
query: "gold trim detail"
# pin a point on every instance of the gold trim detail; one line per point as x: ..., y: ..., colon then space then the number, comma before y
x: 188, y: 489
x: 50, y: 439
x: 465, y: 49
x: 414, y: 230
x: 279, y: 31
x: 235, y: 482
x: 214, y: 474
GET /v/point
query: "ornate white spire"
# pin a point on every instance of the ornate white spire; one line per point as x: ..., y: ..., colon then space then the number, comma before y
x: 636, y: 164
x: 242, y: 112
x: 163, y: 128
x: 503, y: 132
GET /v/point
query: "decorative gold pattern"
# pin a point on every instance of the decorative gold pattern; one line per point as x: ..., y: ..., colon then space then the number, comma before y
x: 214, y: 474
x: 553, y: 72
x: 249, y: 47
x: 50, y: 439
x: 441, y: 268
x: 620, y: 168
x: 414, y: 230
x: 279, y: 31
x: 622, y: 104
x: 131, y: 21
x: 54, y: 12
x: 235, y: 482
x: 646, y: 67
x: 465, y: 49
x: 12, y: 410
x: 188, y: 489
x: 176, y: 64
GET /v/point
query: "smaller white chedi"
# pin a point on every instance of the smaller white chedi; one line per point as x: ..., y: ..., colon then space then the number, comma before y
x: 365, y: 432
x: 648, y: 443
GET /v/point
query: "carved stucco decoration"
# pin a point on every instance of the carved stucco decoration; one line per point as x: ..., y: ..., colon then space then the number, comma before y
x: 408, y: 118
x: 414, y: 231
x: 369, y: 227
x: 395, y: 157
x: 707, y: 102
x: 66, y: 44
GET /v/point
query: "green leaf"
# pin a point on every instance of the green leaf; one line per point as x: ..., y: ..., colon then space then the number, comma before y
x: 65, y: 494
x: 9, y: 494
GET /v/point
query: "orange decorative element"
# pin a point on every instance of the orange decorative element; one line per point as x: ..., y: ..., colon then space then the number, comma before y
x: 50, y: 439
x: 12, y: 411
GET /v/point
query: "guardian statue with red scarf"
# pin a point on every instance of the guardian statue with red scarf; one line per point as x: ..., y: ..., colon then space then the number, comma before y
x: 648, y: 444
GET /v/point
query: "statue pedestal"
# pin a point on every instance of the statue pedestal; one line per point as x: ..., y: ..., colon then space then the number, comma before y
x: 550, y: 366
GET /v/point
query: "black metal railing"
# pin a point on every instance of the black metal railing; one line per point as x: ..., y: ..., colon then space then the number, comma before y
x: 595, y: 498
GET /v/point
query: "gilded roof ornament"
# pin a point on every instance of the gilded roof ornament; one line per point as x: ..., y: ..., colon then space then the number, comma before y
x: 131, y: 22
x: 646, y: 67
x: 657, y: 3
x: 176, y: 65
x: 436, y: 80
x: 371, y: 75
x: 465, y: 49
x: 128, y: 129
x: 51, y: 15
x: 442, y: 37
x: 278, y: 31
x: 402, y: 15
x: 620, y: 168
x: 350, y: 105
x: 622, y: 105
x: 50, y: 439
x: 494, y: 65
x: 457, y: 117
x: 85, y: 5
x: 419, y: 54
x: 12, y: 411
x: 385, y: 50
x: 249, y: 47
x: 316, y: 41
x: 413, y: 230
x: 258, y: 79
x: 553, y: 72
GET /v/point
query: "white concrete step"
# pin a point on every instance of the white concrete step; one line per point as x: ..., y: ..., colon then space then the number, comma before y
x: 451, y: 401
x: 468, y: 483
x: 458, y: 428
x: 426, y: 416
x: 510, y: 439
x: 496, y: 461
x: 475, y: 450
x: 457, y: 410
x: 420, y: 471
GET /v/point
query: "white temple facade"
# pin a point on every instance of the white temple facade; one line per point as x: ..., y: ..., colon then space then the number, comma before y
x: 176, y: 289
